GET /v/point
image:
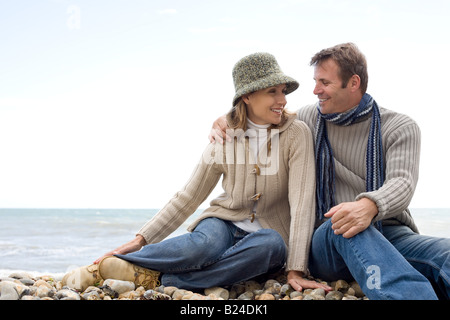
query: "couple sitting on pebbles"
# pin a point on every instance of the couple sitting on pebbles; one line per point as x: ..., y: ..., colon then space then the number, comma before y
x: 281, y: 187
x: 260, y: 209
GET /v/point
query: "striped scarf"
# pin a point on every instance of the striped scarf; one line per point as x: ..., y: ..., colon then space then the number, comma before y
x: 325, y: 178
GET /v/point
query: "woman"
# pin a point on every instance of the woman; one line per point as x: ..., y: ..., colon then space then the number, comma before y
x: 262, y: 222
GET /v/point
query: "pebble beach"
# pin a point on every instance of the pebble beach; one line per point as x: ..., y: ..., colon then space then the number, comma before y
x: 23, y: 286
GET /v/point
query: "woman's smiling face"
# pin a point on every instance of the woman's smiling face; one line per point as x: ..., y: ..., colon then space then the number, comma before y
x: 266, y: 106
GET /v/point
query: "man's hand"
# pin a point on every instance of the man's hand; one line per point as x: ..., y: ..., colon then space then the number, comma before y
x: 219, y: 130
x: 297, y: 282
x: 350, y: 218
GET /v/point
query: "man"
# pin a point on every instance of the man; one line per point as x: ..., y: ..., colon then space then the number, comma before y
x: 367, y: 163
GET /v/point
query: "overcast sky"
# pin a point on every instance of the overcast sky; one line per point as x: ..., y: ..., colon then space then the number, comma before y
x: 108, y: 104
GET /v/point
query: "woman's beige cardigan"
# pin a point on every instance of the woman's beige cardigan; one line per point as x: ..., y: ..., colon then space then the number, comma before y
x: 286, y: 181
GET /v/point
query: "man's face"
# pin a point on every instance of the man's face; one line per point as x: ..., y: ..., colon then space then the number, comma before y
x: 332, y: 97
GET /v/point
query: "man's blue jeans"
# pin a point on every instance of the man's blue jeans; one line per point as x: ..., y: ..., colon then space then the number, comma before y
x: 397, y: 264
x: 216, y: 253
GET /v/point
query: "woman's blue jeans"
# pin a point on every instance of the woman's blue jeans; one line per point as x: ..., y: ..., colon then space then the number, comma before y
x: 216, y: 253
x: 397, y: 264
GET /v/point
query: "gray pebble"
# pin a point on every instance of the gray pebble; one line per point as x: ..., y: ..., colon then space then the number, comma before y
x: 334, y: 295
x: 248, y: 295
x: 154, y: 295
x: 8, y: 291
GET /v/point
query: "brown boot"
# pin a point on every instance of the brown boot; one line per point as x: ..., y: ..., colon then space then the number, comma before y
x: 119, y: 269
x: 81, y: 278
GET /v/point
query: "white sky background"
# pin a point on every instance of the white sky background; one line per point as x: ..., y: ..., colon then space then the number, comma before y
x: 108, y: 104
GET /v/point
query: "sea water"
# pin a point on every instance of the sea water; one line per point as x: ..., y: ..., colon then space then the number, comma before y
x: 56, y: 240
x: 53, y: 241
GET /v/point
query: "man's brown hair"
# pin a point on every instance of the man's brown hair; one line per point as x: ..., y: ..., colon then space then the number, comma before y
x: 350, y: 60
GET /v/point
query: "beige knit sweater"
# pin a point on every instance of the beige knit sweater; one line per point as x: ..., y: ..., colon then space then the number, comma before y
x: 401, y: 148
x: 287, y: 204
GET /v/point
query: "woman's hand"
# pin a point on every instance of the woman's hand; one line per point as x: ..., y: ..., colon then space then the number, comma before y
x: 298, y: 282
x: 131, y: 246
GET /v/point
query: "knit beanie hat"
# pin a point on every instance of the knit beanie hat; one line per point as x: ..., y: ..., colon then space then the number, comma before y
x: 259, y: 71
